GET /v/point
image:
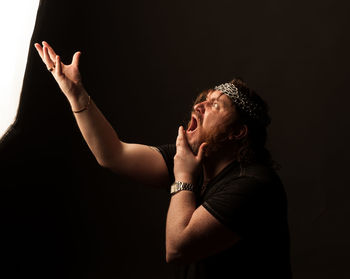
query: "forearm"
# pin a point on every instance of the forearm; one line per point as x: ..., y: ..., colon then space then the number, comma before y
x: 100, y: 136
x: 96, y: 130
x: 181, y: 208
x: 183, y: 203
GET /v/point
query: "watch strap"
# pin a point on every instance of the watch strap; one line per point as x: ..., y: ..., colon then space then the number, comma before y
x: 178, y: 186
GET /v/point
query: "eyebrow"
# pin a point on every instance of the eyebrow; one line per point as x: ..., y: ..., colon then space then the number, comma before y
x: 216, y: 98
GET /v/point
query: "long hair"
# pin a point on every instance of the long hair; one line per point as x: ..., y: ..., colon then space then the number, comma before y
x: 252, y: 147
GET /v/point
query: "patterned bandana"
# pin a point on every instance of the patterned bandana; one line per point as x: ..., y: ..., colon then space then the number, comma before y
x: 243, y: 102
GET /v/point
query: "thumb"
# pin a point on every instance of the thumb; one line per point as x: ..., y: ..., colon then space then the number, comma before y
x: 76, y: 58
x: 201, y: 151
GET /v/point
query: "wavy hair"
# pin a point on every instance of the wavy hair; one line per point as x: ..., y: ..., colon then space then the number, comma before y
x: 252, y: 147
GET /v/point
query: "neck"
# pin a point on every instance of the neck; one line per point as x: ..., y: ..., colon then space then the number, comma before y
x: 215, y: 163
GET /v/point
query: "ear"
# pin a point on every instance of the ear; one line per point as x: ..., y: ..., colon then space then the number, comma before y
x: 239, y: 133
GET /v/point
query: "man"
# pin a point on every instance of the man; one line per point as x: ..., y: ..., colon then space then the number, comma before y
x: 227, y: 216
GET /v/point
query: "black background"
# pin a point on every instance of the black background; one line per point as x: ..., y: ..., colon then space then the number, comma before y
x: 63, y: 216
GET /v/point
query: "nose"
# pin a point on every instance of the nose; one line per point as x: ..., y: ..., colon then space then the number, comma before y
x: 200, y: 107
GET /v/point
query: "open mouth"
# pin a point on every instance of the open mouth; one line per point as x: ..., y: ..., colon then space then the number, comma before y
x: 192, y: 125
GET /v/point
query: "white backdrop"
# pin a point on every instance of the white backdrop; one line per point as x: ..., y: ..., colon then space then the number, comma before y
x: 17, y: 19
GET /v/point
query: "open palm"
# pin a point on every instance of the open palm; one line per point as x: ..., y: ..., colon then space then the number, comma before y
x: 67, y: 76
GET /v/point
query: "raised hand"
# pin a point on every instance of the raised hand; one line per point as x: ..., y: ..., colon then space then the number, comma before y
x: 67, y: 76
x: 186, y: 164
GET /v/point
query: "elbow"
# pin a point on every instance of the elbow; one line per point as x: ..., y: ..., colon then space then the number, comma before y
x: 108, y: 163
x: 112, y: 160
x: 104, y: 164
x: 172, y: 250
x: 173, y: 257
x: 176, y: 255
x: 172, y: 253
x: 169, y: 258
x: 179, y: 248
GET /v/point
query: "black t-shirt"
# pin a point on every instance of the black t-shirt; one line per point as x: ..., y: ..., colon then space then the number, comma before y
x: 252, y: 202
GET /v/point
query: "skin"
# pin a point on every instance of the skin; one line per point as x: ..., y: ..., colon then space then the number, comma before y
x: 214, y: 115
x: 216, y: 111
x: 103, y: 141
x: 192, y: 232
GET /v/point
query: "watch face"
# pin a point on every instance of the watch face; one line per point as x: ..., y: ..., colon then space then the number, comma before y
x: 174, y: 188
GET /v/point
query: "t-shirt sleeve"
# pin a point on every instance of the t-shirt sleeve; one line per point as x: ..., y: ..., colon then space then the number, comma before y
x: 168, y: 152
x: 237, y: 204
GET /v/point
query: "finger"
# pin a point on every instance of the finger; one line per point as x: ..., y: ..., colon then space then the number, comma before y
x: 201, y: 151
x: 52, y: 53
x: 76, y: 58
x: 181, y: 140
x: 184, y: 137
x: 58, y: 69
x: 179, y: 136
x: 40, y: 50
x: 47, y: 60
x: 180, y: 131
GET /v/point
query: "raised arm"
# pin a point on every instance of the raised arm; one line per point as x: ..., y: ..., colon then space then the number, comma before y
x: 131, y: 160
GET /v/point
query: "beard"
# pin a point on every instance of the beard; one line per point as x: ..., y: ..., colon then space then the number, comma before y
x: 216, y: 139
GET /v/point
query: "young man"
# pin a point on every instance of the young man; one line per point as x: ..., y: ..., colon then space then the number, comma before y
x: 227, y: 216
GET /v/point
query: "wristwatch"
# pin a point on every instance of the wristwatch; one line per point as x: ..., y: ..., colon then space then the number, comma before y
x: 179, y: 186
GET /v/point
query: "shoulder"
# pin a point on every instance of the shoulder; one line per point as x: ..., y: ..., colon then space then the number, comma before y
x: 245, y: 197
x: 168, y: 152
x: 258, y: 177
x: 260, y: 172
x: 248, y: 180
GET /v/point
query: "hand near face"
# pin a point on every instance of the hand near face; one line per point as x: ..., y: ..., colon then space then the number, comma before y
x: 67, y: 76
x: 186, y: 164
